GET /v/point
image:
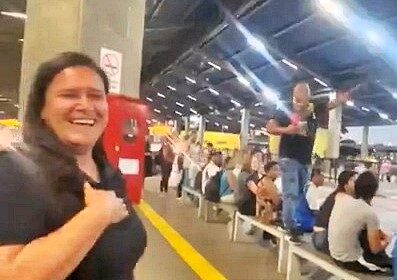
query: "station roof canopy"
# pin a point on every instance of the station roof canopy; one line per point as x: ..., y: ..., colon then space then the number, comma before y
x: 215, y: 57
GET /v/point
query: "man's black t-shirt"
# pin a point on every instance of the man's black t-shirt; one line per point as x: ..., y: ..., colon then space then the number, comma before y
x: 323, y: 215
x: 296, y: 146
x: 31, y: 208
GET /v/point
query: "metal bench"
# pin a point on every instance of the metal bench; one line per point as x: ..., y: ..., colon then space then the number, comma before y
x: 186, y: 191
x: 280, y: 235
x: 307, y: 252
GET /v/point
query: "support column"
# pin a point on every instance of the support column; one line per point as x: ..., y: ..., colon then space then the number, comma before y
x: 201, y: 129
x: 187, y: 124
x: 245, y: 125
x: 364, y: 142
x: 55, y: 26
x: 334, y: 131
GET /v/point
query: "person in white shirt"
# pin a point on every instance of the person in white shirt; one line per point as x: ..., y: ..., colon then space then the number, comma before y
x: 317, y: 192
x: 210, y: 170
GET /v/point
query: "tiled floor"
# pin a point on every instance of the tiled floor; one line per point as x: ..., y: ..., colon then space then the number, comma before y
x: 234, y: 261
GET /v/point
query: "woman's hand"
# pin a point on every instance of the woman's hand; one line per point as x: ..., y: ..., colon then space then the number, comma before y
x: 113, y: 208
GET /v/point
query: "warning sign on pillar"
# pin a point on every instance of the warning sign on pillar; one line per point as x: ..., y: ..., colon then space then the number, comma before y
x: 111, y: 62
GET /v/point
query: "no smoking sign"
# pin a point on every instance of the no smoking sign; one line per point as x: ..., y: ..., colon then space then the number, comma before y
x: 111, y: 62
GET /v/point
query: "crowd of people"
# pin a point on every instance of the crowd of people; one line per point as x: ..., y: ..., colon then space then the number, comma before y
x: 342, y: 223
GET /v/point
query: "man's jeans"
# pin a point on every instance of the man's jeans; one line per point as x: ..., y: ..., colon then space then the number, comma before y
x: 294, y: 178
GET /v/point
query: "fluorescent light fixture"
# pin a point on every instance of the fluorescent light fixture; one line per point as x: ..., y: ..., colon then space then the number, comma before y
x: 171, y: 88
x: 193, y: 111
x: 332, y: 7
x: 14, y: 15
x: 258, y: 104
x: 350, y: 103
x: 165, y: 107
x: 383, y: 116
x: 229, y: 118
x: 211, y: 107
x: 394, y: 94
x: 214, y: 92
x: 190, y: 80
x: 160, y: 95
x: 374, y: 37
x: 2, y: 112
x: 20, y: 40
x: 4, y: 99
x: 217, y: 67
x: 149, y: 99
x: 321, y: 82
x: 243, y: 80
x: 217, y: 124
x: 290, y: 64
x: 192, y: 98
x: 261, y: 113
x: 252, y: 125
x: 180, y: 104
x: 365, y: 109
x: 207, y: 121
x: 235, y: 103
x: 157, y: 111
x: 225, y: 127
x: 178, y: 113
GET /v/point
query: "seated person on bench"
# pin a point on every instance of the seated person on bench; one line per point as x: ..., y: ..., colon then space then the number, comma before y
x: 320, y: 230
x: 356, y: 241
x: 268, y: 198
x: 228, y: 182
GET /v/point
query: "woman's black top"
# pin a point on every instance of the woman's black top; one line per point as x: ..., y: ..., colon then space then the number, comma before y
x: 38, y: 195
x: 324, y: 214
x: 248, y: 207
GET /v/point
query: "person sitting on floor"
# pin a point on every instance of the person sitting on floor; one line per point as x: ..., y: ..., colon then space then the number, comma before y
x: 320, y: 230
x: 316, y: 190
x: 356, y: 241
x: 268, y: 198
x: 228, y: 182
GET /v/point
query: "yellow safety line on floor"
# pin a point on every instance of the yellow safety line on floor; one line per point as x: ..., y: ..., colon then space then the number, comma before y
x: 186, y: 251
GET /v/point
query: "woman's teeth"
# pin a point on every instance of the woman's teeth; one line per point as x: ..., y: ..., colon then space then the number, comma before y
x: 83, y: 122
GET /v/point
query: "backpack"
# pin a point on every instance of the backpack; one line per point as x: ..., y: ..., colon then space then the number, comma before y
x: 212, y: 188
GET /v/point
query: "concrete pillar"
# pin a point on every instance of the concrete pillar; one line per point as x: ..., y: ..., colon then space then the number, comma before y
x: 334, y: 127
x: 187, y: 124
x: 245, y: 125
x: 364, y: 142
x: 55, y: 26
x: 201, y: 129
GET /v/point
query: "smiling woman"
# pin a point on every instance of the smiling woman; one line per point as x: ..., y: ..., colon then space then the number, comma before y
x: 79, y: 224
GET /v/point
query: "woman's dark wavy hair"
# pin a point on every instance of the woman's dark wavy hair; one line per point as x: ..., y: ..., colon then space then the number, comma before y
x: 366, y: 186
x: 36, y: 133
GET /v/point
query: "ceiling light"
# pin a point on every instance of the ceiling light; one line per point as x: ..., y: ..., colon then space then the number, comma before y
x: 225, y: 127
x: 171, y: 88
x: 374, y: 37
x: 332, y: 7
x: 229, y: 118
x: 258, y: 104
x: 216, y: 124
x: 320, y: 82
x: 190, y: 80
x: 350, y: 103
x: 157, y: 111
x: 207, y: 121
x: 383, y: 116
x: 217, y: 67
x: 214, y: 92
x: 180, y: 104
x: 149, y: 99
x: 243, y: 80
x: 252, y: 125
x: 2, y: 112
x: 394, y: 94
x: 160, y: 95
x: 365, y: 109
x: 261, y: 113
x: 20, y: 40
x: 235, y: 103
x: 211, y: 107
x: 193, y: 111
x: 14, y: 15
x: 290, y: 64
x: 192, y: 98
x: 4, y: 99
x: 178, y: 113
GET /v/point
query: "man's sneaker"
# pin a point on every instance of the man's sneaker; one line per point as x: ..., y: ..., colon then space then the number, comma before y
x: 295, y: 239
